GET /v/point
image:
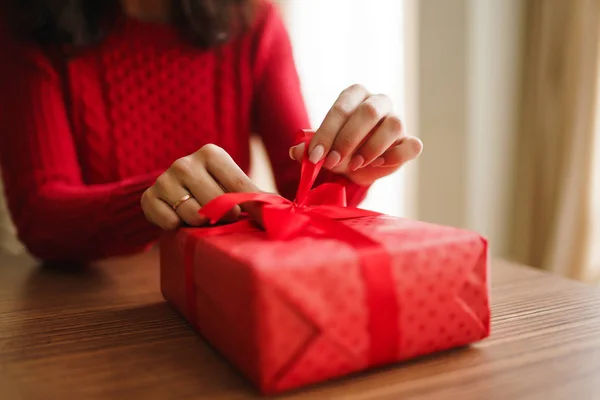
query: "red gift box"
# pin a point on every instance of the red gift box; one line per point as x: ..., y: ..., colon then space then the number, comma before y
x: 325, y: 290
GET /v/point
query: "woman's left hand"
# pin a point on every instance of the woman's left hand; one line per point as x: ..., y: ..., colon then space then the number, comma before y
x: 361, y: 138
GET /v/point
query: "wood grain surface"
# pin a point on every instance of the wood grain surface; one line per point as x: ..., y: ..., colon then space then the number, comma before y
x: 105, y: 332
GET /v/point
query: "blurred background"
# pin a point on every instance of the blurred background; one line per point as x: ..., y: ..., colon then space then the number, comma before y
x: 503, y: 94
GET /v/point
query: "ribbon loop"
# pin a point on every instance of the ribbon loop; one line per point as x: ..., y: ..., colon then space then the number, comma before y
x: 216, y: 209
x: 326, y: 194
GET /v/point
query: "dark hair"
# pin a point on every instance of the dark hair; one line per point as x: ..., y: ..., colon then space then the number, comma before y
x: 79, y: 23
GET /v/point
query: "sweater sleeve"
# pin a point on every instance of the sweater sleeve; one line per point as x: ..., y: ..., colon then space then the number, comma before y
x: 279, y: 110
x: 58, y: 216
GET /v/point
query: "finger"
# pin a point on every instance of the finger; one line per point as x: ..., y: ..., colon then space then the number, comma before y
x: 225, y: 171
x: 205, y: 188
x: 158, y: 212
x: 408, y: 149
x: 366, y: 118
x: 336, y: 118
x: 170, y: 189
x: 232, y: 178
x: 383, y: 138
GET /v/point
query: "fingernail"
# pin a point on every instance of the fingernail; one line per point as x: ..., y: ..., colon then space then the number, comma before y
x: 333, y: 159
x: 316, y: 154
x: 378, y: 162
x: 356, y: 162
x: 299, y: 148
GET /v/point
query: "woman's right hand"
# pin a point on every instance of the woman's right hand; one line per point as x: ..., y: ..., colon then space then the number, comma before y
x: 191, y: 182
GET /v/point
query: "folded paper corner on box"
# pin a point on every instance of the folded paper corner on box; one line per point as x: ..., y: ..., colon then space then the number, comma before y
x: 317, y: 316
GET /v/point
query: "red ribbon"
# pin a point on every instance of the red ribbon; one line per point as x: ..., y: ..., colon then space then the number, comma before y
x: 319, y: 209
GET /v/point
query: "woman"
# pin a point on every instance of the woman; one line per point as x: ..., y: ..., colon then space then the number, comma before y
x: 107, y: 103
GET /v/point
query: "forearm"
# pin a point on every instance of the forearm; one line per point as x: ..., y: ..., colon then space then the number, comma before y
x: 83, y: 223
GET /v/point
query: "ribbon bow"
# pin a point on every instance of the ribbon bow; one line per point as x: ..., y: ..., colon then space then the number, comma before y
x: 322, y: 208
x: 284, y: 219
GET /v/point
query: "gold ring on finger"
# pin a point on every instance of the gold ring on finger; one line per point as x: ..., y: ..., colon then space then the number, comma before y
x: 181, y: 201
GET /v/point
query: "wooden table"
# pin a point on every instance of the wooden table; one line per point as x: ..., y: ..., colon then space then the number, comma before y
x: 105, y: 332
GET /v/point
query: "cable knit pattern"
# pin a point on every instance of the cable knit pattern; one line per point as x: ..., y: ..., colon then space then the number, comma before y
x: 78, y: 148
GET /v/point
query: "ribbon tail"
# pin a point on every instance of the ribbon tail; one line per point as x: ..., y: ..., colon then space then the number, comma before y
x: 335, y: 212
x: 240, y: 226
x: 309, y: 171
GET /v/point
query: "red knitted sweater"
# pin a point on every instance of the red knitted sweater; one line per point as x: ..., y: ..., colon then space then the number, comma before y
x: 78, y: 147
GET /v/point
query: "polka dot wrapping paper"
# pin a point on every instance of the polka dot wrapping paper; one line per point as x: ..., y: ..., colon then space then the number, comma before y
x: 289, y: 313
x: 323, y: 290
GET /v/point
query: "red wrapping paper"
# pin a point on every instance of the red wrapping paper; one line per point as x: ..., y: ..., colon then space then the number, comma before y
x: 325, y: 290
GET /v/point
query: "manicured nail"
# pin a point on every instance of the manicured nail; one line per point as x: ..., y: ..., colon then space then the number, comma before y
x: 356, y: 162
x: 333, y: 159
x: 316, y: 154
x: 299, y: 148
x: 378, y: 162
